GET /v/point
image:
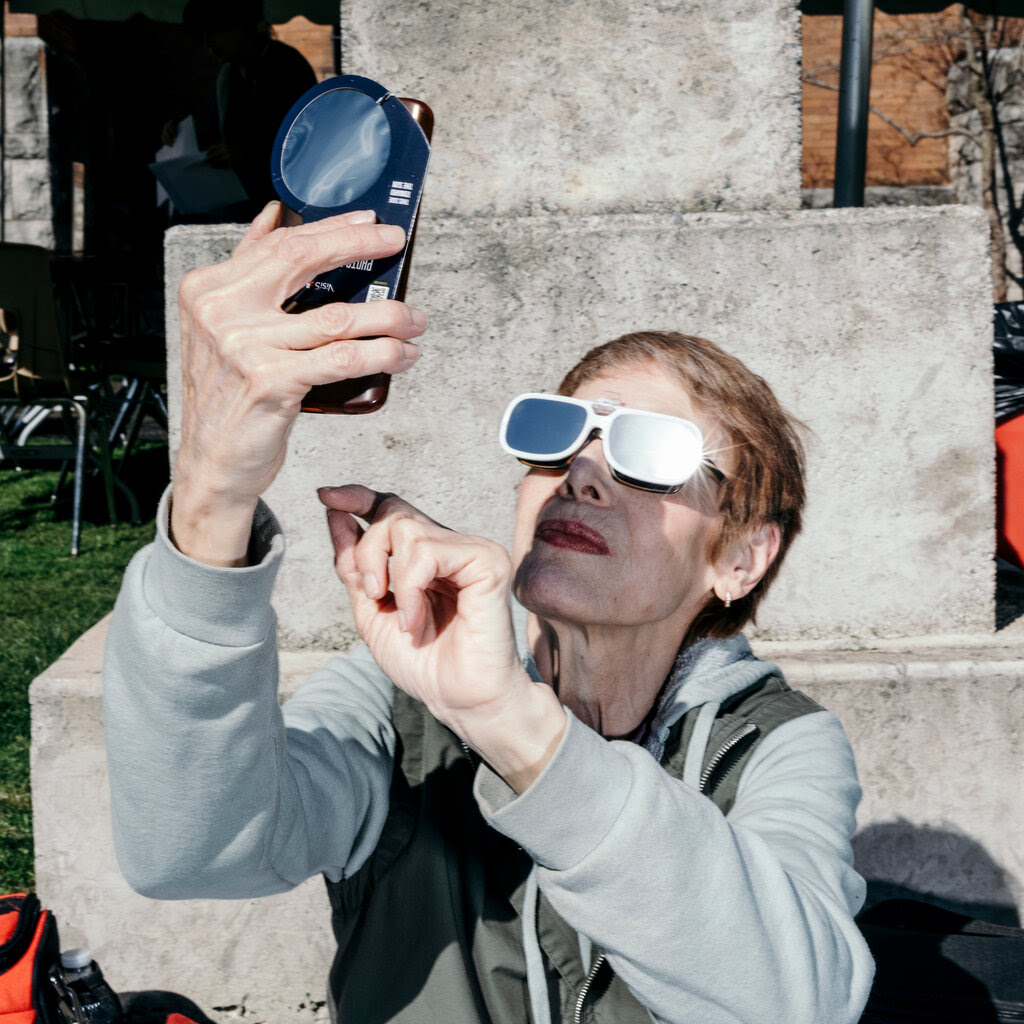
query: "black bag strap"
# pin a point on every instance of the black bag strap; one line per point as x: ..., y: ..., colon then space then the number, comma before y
x: 27, y: 908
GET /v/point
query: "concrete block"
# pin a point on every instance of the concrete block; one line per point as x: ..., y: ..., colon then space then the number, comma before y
x: 591, y: 107
x: 25, y: 86
x: 27, y: 208
x: 28, y: 191
x: 873, y: 326
x: 936, y: 731
x: 268, y: 959
x: 31, y: 232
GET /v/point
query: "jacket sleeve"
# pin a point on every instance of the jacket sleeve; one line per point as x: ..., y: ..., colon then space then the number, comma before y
x: 216, y: 790
x: 705, y: 917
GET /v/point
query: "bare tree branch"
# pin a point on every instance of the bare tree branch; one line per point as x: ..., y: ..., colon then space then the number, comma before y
x: 913, y: 138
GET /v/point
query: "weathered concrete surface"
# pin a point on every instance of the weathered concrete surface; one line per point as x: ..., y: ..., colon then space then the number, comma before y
x: 269, y: 955
x: 27, y: 212
x: 27, y: 127
x: 594, y: 106
x: 935, y: 725
x: 936, y: 728
x: 873, y: 326
x: 28, y: 208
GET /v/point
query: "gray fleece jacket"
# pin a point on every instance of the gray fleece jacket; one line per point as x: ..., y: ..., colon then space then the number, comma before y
x: 217, y: 791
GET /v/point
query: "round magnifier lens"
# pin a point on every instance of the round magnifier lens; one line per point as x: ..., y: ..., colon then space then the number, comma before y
x: 336, y: 148
x: 664, y: 451
x: 542, y: 428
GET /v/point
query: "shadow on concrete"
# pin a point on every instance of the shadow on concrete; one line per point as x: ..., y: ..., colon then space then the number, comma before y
x: 900, y: 860
x: 154, y: 1007
x: 1009, y: 593
x: 945, y: 959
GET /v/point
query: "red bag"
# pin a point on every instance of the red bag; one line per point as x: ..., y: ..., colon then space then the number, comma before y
x: 29, y: 948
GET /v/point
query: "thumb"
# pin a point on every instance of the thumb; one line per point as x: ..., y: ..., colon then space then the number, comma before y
x: 345, y: 533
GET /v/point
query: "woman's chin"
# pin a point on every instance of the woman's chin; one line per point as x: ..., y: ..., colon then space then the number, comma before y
x: 549, y: 593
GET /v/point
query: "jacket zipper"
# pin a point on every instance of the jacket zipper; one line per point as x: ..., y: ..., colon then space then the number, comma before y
x: 581, y: 999
x: 742, y: 737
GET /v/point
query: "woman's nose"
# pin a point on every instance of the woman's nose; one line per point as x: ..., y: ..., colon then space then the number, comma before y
x: 588, y: 477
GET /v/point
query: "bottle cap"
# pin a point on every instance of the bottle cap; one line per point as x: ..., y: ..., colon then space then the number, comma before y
x: 75, y: 958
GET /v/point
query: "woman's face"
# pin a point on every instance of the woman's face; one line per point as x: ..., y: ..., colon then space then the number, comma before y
x: 592, y: 551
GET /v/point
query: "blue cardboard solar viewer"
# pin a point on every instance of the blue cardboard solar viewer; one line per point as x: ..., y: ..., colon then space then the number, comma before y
x: 350, y: 144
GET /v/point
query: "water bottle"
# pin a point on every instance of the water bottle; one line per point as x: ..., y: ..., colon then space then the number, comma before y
x: 95, y: 1001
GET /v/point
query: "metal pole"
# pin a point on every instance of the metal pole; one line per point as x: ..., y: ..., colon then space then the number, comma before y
x: 854, y: 87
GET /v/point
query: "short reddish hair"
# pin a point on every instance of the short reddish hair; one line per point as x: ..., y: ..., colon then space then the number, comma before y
x: 766, y: 484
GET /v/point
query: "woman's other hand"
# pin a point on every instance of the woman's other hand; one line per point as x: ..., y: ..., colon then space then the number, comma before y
x: 433, y: 607
x: 246, y: 365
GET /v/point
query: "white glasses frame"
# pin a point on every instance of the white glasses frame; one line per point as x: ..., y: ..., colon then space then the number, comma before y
x: 601, y: 413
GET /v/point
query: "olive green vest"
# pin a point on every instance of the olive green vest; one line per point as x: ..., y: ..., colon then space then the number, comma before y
x: 429, y: 929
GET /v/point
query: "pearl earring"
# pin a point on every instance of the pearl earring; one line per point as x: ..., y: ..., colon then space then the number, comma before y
x: 728, y: 599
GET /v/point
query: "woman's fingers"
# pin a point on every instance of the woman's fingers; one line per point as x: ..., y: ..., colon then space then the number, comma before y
x: 382, y: 511
x: 405, y: 552
x: 347, y: 360
x: 271, y: 263
x: 294, y: 257
x: 274, y: 215
x: 345, y: 533
x: 357, y: 500
x: 340, y: 321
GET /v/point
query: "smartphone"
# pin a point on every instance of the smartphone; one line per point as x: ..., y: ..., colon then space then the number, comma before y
x: 350, y: 144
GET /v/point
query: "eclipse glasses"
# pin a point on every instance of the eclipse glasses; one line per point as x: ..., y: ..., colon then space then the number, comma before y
x: 647, y: 450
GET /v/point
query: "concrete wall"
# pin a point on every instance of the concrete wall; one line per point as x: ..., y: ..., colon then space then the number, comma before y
x: 27, y: 213
x: 935, y: 731
x: 594, y: 107
x: 267, y: 958
x: 873, y: 326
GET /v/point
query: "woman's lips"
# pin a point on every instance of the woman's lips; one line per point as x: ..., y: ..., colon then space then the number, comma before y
x: 572, y: 535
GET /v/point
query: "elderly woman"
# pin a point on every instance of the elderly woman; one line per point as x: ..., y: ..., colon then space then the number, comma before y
x: 631, y: 818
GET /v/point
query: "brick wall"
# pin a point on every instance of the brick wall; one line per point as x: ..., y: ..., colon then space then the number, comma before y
x: 907, y: 84
x: 18, y: 24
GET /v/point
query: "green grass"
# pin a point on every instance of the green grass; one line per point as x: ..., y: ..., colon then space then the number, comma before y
x: 47, y: 600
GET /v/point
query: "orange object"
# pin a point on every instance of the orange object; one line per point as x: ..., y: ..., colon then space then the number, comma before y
x: 21, y: 969
x: 1010, y: 490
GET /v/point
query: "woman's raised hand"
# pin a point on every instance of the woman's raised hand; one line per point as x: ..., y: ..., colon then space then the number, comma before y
x: 433, y: 607
x: 246, y: 365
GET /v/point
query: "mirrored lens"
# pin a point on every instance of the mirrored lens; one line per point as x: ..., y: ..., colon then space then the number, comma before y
x: 335, y: 148
x: 655, y: 450
x: 544, y: 428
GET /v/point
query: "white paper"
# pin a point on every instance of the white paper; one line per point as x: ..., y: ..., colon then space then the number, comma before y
x: 188, y: 181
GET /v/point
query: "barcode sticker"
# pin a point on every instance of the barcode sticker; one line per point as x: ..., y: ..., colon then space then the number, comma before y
x: 377, y: 291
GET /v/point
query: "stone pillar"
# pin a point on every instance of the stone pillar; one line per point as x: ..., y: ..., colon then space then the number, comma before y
x: 27, y: 213
x: 594, y: 107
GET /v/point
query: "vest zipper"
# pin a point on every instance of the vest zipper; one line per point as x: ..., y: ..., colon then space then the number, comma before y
x: 581, y: 999
x: 725, y: 756
x: 721, y: 762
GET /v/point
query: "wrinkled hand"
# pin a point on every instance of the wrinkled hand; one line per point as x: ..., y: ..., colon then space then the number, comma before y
x: 246, y: 365
x: 433, y: 607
